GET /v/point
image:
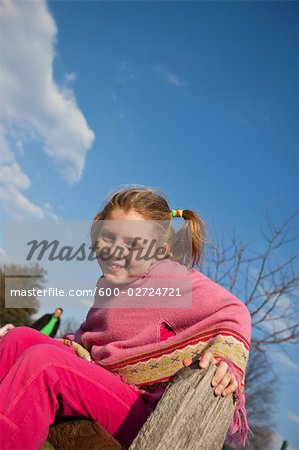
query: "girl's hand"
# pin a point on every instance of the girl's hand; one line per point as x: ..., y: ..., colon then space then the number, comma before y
x: 5, y: 329
x: 79, y: 349
x: 224, y: 381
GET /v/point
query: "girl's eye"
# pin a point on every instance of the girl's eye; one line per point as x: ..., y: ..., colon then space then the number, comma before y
x: 106, y: 238
x: 134, y: 247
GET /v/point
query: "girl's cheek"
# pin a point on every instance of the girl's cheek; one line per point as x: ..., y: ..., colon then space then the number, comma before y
x: 134, y: 265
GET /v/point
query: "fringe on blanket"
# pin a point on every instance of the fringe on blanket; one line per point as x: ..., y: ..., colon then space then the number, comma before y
x: 239, y: 428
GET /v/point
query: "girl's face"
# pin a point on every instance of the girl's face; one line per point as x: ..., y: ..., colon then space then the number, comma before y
x: 126, y: 246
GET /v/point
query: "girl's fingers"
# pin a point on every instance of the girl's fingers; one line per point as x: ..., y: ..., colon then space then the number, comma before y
x: 205, y: 359
x: 220, y: 372
x: 232, y: 387
x: 224, y: 383
x: 187, y: 362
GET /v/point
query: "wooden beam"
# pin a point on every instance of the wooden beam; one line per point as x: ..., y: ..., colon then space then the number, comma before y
x: 188, y: 416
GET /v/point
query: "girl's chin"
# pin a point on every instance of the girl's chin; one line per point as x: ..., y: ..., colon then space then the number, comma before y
x: 119, y: 278
x: 116, y: 277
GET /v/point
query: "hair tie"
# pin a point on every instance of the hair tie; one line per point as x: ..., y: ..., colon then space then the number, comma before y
x: 177, y: 212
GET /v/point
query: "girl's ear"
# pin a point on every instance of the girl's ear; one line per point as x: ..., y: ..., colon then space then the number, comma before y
x: 166, y: 248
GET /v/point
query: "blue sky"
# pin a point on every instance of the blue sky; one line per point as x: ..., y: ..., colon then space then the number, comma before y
x: 199, y: 99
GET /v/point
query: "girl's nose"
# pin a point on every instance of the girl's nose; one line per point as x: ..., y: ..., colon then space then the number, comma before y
x: 118, y: 250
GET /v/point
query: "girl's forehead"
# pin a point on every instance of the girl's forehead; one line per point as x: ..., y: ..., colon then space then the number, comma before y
x: 120, y: 214
x: 128, y: 227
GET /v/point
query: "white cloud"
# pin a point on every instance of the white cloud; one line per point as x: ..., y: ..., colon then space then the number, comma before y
x: 125, y: 73
x: 170, y: 77
x: 285, y: 360
x: 173, y: 79
x: 13, y: 181
x: 18, y: 206
x: 294, y: 417
x: 279, y: 320
x: 33, y: 106
x: 87, y: 303
x: 249, y: 118
x: 242, y: 118
x: 70, y: 77
x: 50, y: 213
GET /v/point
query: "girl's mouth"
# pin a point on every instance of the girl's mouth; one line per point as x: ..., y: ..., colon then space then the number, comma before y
x: 114, y: 267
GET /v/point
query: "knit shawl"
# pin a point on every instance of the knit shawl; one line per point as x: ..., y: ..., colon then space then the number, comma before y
x: 124, y: 337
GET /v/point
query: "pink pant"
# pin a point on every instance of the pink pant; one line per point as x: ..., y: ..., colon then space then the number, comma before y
x: 41, y: 378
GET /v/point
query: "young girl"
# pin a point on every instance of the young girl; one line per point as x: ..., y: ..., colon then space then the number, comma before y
x: 115, y: 368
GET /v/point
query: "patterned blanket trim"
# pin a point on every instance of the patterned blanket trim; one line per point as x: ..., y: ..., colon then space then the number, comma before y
x: 161, y: 365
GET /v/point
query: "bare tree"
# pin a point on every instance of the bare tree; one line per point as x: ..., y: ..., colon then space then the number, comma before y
x: 23, y: 278
x: 266, y: 284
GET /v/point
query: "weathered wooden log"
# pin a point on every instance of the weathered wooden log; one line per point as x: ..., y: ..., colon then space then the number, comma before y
x: 188, y: 417
x: 81, y: 434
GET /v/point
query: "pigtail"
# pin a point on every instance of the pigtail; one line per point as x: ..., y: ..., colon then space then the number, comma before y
x: 198, y: 230
x: 189, y: 243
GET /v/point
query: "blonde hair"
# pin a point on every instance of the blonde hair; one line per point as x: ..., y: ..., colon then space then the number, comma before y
x: 150, y: 203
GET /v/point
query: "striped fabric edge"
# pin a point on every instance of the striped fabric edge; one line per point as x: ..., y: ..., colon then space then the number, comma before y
x: 169, y: 348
